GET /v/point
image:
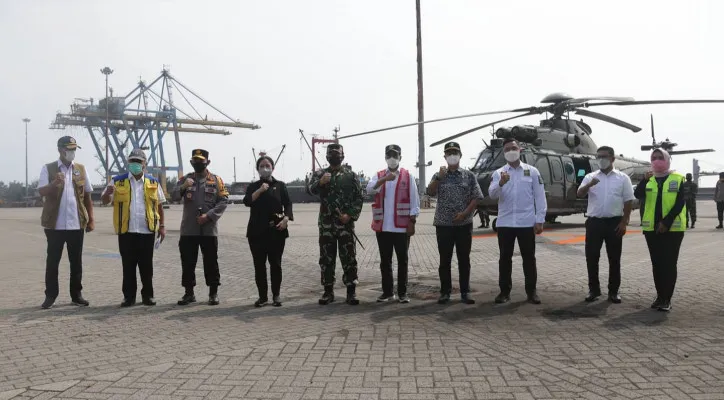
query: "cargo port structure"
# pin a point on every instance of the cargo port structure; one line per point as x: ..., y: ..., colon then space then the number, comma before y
x: 143, y: 119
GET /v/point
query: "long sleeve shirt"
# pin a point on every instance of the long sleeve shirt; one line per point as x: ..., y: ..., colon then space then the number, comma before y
x: 522, y: 200
x: 343, y: 192
x: 207, y: 195
x: 268, y: 209
x: 388, y: 222
x: 640, y: 193
x: 68, y: 210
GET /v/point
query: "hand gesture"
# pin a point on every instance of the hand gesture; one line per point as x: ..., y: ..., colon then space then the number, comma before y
x: 110, y: 189
x: 538, y: 228
x: 442, y: 173
x: 202, y: 219
x: 661, y: 228
x: 325, y: 178
x: 460, y: 217
x: 282, y: 225
x: 649, y: 174
x: 410, y: 229
x: 593, y: 182
x: 504, y: 178
x: 188, y: 182
x: 59, y: 179
x: 264, y: 187
x: 389, y: 177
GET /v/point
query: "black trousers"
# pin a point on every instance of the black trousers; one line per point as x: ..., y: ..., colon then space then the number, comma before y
x: 271, y: 248
x: 720, y: 211
x: 664, y: 252
x: 189, y: 248
x: 526, y: 243
x: 690, y: 211
x: 598, y: 231
x: 73, y: 240
x: 399, y: 242
x: 137, y: 251
x: 459, y: 238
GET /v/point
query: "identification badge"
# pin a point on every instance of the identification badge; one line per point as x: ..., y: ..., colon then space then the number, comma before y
x: 189, y: 195
x: 540, y: 180
x: 673, y: 186
x: 526, y: 172
x: 76, y: 172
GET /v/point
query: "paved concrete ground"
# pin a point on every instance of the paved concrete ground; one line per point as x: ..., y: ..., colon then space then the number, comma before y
x: 563, y: 348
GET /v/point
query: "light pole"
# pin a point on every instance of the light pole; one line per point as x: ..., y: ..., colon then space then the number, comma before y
x: 26, y: 120
x: 107, y: 71
x: 420, y: 104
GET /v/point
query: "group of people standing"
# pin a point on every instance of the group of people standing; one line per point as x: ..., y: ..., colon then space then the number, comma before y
x: 138, y: 220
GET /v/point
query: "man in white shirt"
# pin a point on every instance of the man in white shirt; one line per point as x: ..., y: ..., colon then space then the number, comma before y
x: 522, y: 210
x: 67, y: 215
x: 610, y: 198
x: 137, y: 217
x: 394, y: 214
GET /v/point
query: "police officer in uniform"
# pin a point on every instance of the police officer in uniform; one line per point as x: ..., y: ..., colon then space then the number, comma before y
x: 340, y: 193
x: 690, y: 189
x: 204, y: 198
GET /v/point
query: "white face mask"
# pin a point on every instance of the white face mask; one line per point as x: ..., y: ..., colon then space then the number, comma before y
x: 69, y: 155
x: 604, y: 163
x: 512, y: 156
x: 393, y: 162
x: 265, y: 172
x: 453, y: 159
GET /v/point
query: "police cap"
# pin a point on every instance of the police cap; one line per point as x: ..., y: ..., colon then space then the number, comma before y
x: 393, y: 148
x: 335, y: 147
x: 452, y: 146
x: 200, y: 154
x: 68, y: 143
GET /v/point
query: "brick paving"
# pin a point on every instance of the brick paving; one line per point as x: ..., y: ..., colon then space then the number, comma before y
x: 561, y: 349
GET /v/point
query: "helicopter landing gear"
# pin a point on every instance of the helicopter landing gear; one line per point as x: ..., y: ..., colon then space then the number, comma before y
x: 494, y: 225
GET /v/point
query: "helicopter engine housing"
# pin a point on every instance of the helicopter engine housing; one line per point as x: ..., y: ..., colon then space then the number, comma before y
x: 571, y: 140
x: 521, y: 133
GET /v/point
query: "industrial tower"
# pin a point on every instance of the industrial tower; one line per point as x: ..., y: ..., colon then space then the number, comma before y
x: 142, y: 126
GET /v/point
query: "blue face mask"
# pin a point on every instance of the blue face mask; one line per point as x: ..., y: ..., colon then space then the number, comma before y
x: 135, y: 168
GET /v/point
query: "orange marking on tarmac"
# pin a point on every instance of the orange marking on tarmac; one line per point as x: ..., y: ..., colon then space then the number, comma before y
x: 582, y: 238
x: 572, y: 238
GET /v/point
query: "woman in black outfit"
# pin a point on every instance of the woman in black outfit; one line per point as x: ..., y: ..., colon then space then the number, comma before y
x: 267, y: 231
x: 663, y: 222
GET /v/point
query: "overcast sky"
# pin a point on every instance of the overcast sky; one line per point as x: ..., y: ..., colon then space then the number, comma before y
x: 289, y: 64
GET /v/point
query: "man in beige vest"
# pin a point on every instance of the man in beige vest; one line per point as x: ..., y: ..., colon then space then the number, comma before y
x: 67, y: 215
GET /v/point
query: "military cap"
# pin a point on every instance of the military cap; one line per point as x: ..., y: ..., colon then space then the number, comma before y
x: 393, y: 147
x: 452, y: 146
x: 200, y: 154
x: 68, y: 143
x: 137, y: 154
x: 335, y: 147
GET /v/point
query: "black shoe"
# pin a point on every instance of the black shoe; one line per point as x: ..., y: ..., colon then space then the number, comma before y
x: 665, y: 306
x: 276, y: 301
x: 214, y: 299
x: 328, y: 296
x: 656, y: 303
x: 148, y: 301
x: 403, y: 298
x: 614, y: 298
x: 48, y: 303
x: 80, y: 301
x: 692, y: 225
x: 467, y: 299
x: 385, y: 297
x: 444, y: 298
x: 533, y: 298
x: 261, y: 302
x: 593, y: 295
x: 720, y: 226
x: 128, y: 302
x: 502, y: 298
x: 352, y: 296
x: 188, y: 298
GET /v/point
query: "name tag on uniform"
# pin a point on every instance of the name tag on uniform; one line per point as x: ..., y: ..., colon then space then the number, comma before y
x: 673, y: 186
x: 76, y: 172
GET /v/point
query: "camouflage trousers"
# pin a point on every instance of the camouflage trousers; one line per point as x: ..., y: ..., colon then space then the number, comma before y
x: 329, y: 241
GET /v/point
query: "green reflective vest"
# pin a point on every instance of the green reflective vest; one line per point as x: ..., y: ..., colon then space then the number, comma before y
x: 670, y: 190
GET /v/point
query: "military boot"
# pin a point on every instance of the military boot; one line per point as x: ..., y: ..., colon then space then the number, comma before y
x: 351, y: 296
x: 328, y: 296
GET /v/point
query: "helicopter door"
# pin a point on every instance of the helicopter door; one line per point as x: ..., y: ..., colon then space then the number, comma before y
x: 558, y: 185
x: 545, y: 172
x: 569, y: 170
x: 583, y: 167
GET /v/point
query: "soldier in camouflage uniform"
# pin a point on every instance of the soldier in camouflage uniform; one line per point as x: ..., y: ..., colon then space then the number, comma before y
x: 340, y: 193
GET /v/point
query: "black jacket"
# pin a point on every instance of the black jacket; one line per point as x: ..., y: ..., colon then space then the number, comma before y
x: 270, y: 207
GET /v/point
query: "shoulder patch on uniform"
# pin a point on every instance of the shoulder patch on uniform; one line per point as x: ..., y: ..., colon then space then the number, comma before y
x: 540, y: 180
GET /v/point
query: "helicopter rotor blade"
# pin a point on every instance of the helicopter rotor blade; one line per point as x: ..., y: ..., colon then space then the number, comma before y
x: 647, y: 147
x: 445, y: 140
x: 528, y: 109
x: 653, y: 137
x: 608, y: 119
x: 608, y: 98
x: 673, y: 152
x: 643, y: 102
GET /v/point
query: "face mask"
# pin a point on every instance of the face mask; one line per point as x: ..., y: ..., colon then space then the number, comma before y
x: 199, y: 167
x: 453, y: 159
x: 135, y: 168
x: 659, y: 166
x: 265, y: 172
x: 393, y: 162
x: 335, y: 160
x: 69, y: 155
x: 604, y: 163
x: 512, y: 156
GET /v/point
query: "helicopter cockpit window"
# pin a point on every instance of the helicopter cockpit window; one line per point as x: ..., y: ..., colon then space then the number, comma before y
x: 490, y: 160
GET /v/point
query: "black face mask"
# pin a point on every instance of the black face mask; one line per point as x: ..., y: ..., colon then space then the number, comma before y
x: 335, y: 160
x: 199, y: 167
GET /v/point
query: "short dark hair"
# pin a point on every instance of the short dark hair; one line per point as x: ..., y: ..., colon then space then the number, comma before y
x: 607, y: 149
x: 721, y: 175
x: 509, y: 140
x: 262, y: 158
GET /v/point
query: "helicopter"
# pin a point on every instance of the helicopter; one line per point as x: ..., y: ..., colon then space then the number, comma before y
x: 668, y: 145
x: 561, y: 148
